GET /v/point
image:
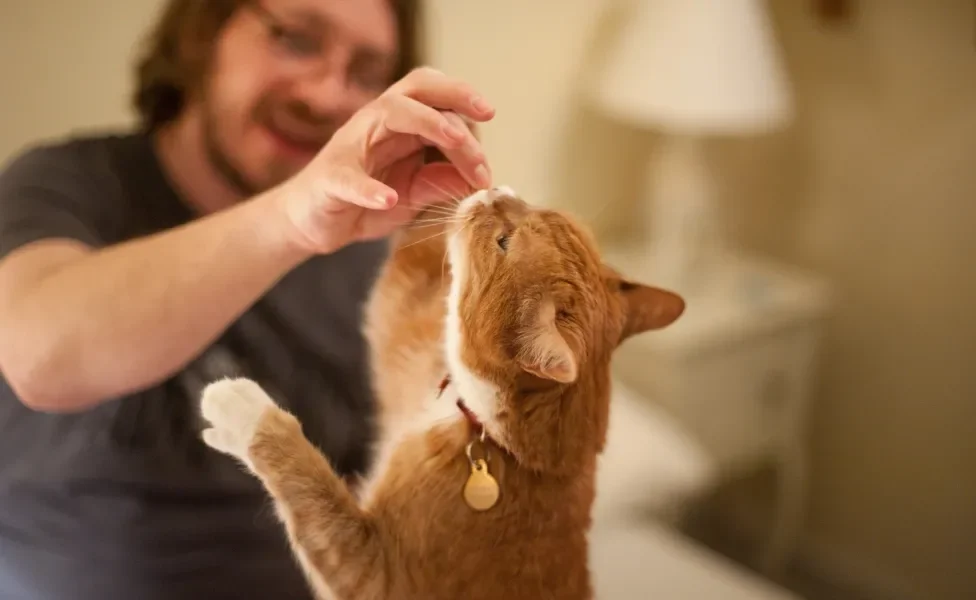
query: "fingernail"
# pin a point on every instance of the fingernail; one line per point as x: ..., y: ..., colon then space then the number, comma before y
x: 384, y: 201
x: 482, y: 175
x: 480, y: 104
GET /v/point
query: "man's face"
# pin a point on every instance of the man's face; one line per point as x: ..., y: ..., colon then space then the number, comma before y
x: 285, y: 74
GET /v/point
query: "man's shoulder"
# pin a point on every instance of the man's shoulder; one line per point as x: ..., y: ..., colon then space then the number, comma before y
x: 84, y: 187
x: 80, y: 151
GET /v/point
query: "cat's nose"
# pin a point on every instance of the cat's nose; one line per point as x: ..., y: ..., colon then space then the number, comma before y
x: 501, y: 191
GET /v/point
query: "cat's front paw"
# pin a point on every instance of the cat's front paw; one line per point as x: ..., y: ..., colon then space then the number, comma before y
x: 234, y: 408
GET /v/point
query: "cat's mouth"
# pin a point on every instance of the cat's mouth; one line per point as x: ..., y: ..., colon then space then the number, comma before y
x: 465, y: 410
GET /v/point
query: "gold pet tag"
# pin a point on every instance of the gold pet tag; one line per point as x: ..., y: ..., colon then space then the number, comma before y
x: 481, y: 490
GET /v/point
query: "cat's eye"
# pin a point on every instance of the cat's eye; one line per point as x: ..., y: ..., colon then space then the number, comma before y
x: 502, y: 241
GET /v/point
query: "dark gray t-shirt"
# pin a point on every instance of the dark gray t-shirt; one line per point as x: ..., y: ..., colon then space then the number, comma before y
x: 124, y: 502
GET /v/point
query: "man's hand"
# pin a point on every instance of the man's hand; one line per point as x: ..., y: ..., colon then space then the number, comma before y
x: 370, y: 178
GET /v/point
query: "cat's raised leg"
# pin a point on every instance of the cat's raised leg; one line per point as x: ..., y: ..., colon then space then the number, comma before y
x: 337, y: 544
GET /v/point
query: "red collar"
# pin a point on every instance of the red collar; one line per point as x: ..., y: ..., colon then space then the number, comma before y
x: 471, y: 417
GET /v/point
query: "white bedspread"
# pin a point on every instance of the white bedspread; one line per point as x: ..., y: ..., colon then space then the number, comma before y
x: 650, y: 465
x: 647, y: 562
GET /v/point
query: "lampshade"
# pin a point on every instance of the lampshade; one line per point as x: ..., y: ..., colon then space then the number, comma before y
x: 696, y: 66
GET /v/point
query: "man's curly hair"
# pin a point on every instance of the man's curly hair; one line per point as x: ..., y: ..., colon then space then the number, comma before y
x: 176, y: 52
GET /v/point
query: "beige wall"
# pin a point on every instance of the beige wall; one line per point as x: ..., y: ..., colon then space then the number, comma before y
x: 64, y: 65
x: 888, y: 209
x: 875, y: 187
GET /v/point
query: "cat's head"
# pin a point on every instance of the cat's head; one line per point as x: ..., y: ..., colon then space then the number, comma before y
x: 534, y: 316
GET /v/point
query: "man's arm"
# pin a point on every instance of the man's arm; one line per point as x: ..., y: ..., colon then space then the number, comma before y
x: 80, y: 326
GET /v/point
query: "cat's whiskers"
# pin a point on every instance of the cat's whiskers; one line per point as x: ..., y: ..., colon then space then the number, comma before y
x: 414, y: 243
x: 437, y: 215
x: 426, y: 226
x: 450, y: 194
x: 440, y: 210
x: 432, y: 222
x: 440, y: 218
x: 443, y: 229
x: 453, y: 196
x: 447, y: 221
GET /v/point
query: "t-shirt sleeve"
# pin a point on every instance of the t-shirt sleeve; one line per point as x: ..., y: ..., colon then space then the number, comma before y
x: 47, y: 192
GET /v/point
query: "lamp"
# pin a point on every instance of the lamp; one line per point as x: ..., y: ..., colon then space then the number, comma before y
x: 691, y: 69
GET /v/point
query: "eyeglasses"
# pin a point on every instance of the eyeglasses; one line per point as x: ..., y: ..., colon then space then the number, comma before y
x: 305, y: 50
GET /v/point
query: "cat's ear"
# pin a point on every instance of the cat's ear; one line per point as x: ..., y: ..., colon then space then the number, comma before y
x: 647, y: 307
x: 544, y: 352
x: 548, y: 356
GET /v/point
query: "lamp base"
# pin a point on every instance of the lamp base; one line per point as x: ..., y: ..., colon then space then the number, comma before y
x: 681, y: 229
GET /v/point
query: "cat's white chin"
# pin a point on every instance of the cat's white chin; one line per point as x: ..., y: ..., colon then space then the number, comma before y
x: 479, y: 395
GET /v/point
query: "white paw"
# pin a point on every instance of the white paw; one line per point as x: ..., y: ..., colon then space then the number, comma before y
x: 234, y: 408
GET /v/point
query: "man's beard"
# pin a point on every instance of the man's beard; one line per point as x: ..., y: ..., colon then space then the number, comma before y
x: 277, y: 171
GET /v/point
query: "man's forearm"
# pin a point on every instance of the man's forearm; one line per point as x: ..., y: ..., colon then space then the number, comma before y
x: 123, y: 318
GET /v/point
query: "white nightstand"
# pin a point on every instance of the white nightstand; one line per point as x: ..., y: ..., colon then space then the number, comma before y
x: 736, y: 371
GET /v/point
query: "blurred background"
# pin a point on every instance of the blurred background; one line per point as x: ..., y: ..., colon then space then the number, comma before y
x: 823, y: 381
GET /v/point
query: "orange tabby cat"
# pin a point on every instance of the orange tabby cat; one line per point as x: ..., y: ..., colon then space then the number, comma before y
x: 513, y: 310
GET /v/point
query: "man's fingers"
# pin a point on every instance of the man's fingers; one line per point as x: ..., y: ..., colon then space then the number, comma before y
x: 355, y: 187
x: 445, y: 129
x: 468, y: 157
x: 406, y: 115
x: 426, y: 106
x: 436, y: 89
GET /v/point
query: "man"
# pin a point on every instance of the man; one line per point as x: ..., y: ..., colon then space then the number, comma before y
x: 237, y: 233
